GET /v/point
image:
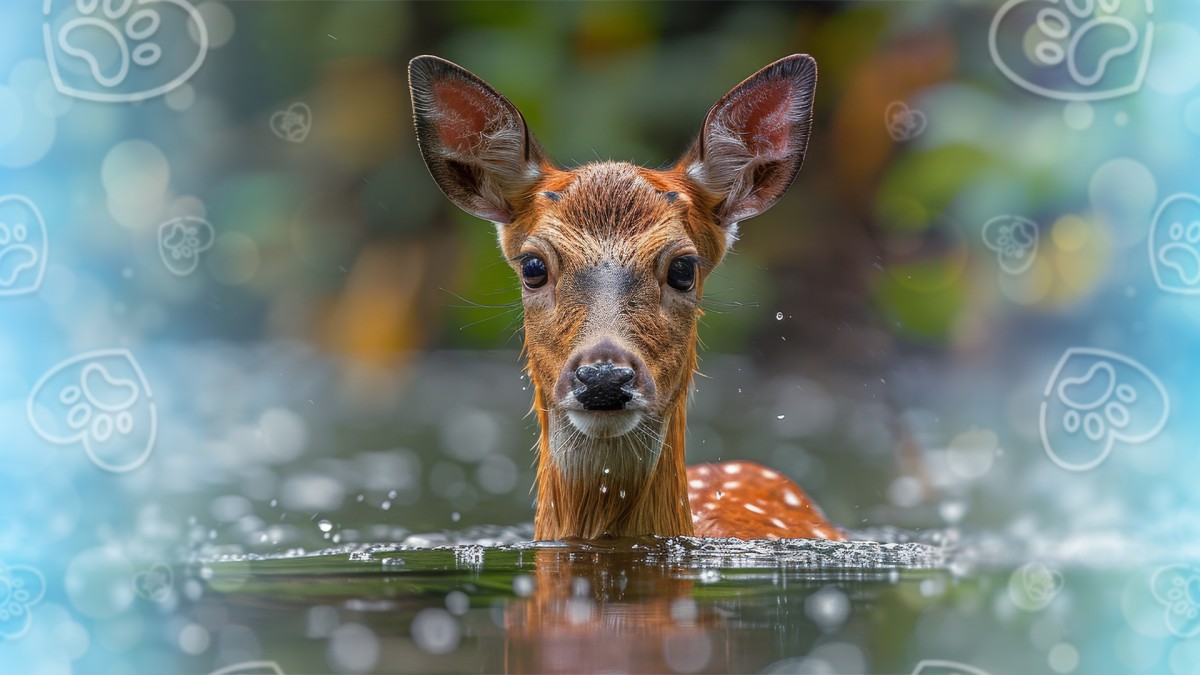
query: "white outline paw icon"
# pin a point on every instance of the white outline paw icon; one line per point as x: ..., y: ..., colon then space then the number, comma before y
x: 1034, y: 586
x: 181, y: 241
x: 941, y: 667
x: 1014, y: 240
x: 102, y: 400
x: 903, y: 123
x: 122, y: 50
x: 1082, y: 50
x: 1174, y: 242
x: 293, y: 124
x: 1178, y: 588
x: 1095, y: 398
x: 23, y: 246
x: 21, y: 587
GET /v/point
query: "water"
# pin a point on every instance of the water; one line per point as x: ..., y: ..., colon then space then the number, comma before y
x: 488, y: 599
x: 300, y: 524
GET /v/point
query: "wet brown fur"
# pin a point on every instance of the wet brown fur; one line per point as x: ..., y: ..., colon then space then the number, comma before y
x: 617, y: 211
x: 627, y: 216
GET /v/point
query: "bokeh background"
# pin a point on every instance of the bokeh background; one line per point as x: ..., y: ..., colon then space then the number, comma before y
x: 342, y: 364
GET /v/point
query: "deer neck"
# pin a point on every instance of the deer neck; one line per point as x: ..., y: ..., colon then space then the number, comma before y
x: 631, y: 485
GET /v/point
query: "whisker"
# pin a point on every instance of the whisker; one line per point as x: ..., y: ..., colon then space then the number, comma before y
x: 486, y: 319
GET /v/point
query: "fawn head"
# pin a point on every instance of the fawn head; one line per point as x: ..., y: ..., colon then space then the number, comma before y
x: 612, y: 259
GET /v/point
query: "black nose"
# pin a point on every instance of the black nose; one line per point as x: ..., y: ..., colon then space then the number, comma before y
x: 604, y: 386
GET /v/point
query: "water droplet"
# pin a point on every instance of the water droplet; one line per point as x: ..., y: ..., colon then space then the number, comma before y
x: 622, y: 494
x: 779, y: 316
x: 779, y: 417
x: 385, y: 506
x: 603, y: 489
x: 456, y: 516
x: 325, y: 525
x: 606, y: 469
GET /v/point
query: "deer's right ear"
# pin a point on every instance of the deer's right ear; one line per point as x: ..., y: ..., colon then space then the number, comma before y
x: 474, y: 141
x: 753, y: 140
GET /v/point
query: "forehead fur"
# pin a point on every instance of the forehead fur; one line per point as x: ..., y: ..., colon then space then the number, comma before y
x: 616, y: 206
x: 611, y: 199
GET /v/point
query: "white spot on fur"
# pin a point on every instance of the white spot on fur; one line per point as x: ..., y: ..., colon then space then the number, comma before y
x: 695, y: 483
x: 790, y: 498
x: 733, y: 468
x: 779, y: 523
x: 755, y: 508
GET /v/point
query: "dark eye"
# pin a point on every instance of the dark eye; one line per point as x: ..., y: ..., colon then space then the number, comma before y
x: 682, y: 275
x: 533, y: 272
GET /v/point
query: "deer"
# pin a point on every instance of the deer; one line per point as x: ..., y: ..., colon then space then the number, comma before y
x: 612, y: 258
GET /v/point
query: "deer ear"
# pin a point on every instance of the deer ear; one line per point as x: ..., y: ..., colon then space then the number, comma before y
x: 754, y: 138
x: 473, y: 140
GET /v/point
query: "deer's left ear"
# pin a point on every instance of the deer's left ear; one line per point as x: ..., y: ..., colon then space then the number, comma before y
x: 754, y: 138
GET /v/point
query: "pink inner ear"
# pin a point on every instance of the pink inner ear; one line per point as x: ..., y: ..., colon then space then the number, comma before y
x: 761, y: 118
x: 462, y: 114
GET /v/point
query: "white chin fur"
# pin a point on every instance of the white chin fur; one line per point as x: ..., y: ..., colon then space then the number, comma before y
x: 604, y: 423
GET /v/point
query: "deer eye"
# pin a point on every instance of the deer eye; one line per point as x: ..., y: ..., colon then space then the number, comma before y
x: 533, y: 272
x: 682, y: 274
